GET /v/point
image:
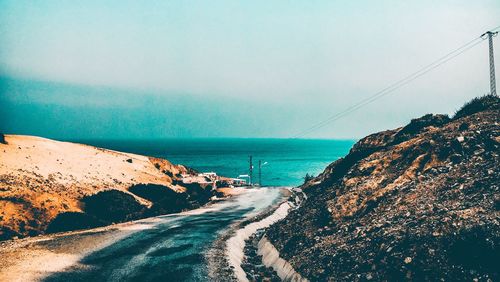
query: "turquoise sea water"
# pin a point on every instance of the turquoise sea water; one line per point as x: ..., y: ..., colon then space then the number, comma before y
x: 288, y: 160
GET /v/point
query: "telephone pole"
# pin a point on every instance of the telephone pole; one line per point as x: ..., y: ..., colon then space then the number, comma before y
x: 260, y: 173
x: 261, y: 164
x: 490, y: 35
x: 250, y: 173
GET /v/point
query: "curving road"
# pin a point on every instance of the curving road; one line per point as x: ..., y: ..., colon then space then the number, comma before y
x: 165, y: 248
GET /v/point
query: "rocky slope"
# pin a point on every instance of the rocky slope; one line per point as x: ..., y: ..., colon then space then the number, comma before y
x: 49, y: 186
x: 417, y: 203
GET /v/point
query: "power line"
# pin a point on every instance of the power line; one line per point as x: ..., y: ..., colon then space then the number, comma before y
x: 376, y: 97
x: 390, y: 88
x: 398, y: 84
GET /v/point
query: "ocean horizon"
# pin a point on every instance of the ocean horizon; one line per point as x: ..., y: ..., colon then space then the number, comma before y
x: 285, y: 161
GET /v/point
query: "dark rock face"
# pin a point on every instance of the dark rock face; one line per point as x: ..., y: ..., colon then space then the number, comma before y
x: 416, y: 203
x: 2, y: 139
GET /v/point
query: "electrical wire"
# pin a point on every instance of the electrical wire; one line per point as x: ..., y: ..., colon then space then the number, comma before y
x: 394, y: 86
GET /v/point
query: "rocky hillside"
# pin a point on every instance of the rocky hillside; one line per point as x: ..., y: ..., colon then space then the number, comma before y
x: 49, y: 186
x: 419, y: 202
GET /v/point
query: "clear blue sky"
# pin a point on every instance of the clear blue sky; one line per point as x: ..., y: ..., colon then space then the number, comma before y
x: 155, y: 69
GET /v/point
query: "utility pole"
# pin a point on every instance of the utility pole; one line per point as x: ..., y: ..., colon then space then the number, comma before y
x: 250, y: 174
x: 260, y: 173
x: 490, y: 35
x: 261, y: 164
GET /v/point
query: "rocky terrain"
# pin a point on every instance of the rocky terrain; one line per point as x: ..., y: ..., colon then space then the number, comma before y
x: 419, y: 202
x: 51, y: 186
x: 252, y: 263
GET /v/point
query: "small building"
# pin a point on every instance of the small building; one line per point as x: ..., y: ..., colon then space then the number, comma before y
x: 239, y: 181
x: 209, y: 174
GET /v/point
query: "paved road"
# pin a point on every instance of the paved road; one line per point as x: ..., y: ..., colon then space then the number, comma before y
x: 171, y: 249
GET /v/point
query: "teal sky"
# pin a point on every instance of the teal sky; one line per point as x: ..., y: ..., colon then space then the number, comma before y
x: 157, y: 69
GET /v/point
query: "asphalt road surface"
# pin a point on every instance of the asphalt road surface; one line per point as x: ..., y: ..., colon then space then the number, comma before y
x: 170, y: 248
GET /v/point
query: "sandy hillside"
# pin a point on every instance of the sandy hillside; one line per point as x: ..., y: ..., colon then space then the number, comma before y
x: 40, y: 178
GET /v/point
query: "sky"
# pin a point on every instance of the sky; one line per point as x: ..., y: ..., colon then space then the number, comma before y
x: 176, y: 69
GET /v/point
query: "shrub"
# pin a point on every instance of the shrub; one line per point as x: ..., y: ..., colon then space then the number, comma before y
x: 165, y: 200
x: 478, y: 104
x: 308, y: 177
x: 113, y: 206
x: 6, y: 233
x: 68, y: 221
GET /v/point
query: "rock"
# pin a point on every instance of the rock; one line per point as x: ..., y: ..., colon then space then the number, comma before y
x: 463, y: 126
x: 260, y: 267
x: 455, y: 158
x: 479, y: 152
x: 460, y: 139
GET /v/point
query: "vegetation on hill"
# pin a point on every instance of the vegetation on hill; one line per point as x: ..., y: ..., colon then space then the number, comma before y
x: 417, y: 203
x: 49, y: 186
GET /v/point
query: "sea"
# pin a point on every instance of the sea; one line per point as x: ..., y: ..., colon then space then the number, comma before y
x: 284, y: 162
